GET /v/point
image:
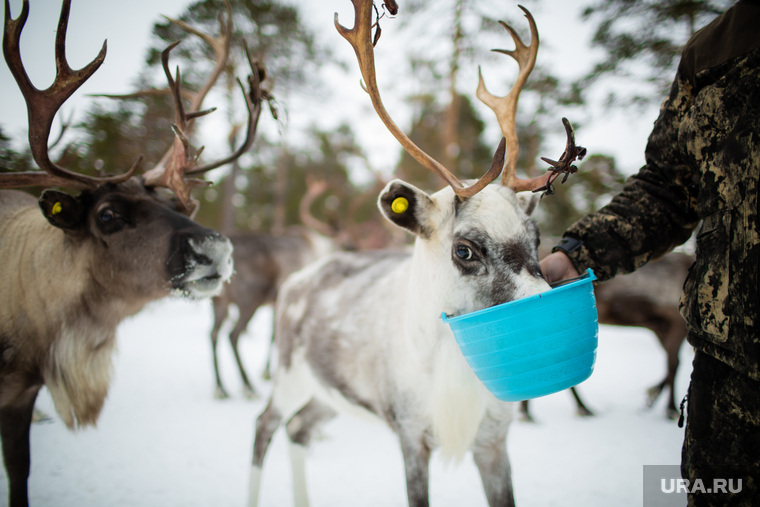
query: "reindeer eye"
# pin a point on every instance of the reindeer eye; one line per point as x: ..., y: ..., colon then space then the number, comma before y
x: 464, y: 252
x: 106, y: 216
x: 113, y: 215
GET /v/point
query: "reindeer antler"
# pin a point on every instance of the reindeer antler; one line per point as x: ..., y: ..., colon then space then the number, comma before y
x: 177, y: 163
x: 314, y: 188
x: 360, y: 38
x: 505, y: 109
x: 565, y: 162
x: 221, y: 47
x: 42, y: 105
x: 254, y: 99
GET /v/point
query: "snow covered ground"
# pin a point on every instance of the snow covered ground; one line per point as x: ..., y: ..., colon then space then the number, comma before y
x: 163, y: 441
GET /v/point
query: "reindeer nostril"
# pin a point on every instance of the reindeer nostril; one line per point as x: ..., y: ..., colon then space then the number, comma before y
x: 195, y: 253
x: 202, y: 259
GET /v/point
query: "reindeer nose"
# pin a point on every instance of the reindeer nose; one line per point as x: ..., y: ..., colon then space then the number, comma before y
x: 200, y: 261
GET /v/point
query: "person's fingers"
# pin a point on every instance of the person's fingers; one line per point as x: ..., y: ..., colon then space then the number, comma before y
x: 557, y: 266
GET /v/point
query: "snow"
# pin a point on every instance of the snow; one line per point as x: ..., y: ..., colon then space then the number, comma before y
x: 163, y: 440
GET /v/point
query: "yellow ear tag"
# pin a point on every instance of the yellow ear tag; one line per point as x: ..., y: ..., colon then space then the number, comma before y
x: 57, y: 208
x: 399, y: 205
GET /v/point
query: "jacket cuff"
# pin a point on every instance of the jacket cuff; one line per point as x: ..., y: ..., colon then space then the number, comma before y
x: 579, y: 255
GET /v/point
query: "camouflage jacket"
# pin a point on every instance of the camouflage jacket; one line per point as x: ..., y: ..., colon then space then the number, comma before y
x: 702, y: 165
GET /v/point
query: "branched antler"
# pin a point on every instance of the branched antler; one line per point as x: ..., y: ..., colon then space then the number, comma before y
x: 314, y: 189
x: 42, y: 105
x: 505, y: 109
x: 361, y: 40
x: 177, y: 164
x: 254, y: 98
x: 564, y: 164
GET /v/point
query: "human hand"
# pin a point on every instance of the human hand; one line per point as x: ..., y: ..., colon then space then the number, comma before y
x: 557, y: 266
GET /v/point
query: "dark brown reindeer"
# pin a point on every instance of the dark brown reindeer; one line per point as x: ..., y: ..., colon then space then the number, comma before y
x: 646, y: 298
x: 649, y: 298
x: 74, y: 266
x: 361, y: 332
x: 262, y: 263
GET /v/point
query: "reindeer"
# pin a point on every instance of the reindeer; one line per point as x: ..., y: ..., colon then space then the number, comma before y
x: 74, y: 266
x: 361, y: 331
x: 648, y: 298
x: 262, y: 263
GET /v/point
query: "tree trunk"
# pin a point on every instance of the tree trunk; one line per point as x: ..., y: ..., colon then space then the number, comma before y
x: 450, y: 131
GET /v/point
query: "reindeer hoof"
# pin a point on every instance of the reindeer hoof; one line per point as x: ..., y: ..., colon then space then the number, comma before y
x: 250, y: 393
x: 220, y: 393
x: 526, y: 417
x: 652, y: 394
x: 584, y: 412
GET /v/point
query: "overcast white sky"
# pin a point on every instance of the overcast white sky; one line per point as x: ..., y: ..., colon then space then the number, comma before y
x: 127, y: 25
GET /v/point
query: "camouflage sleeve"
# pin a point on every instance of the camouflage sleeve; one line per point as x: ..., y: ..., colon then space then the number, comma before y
x: 656, y: 209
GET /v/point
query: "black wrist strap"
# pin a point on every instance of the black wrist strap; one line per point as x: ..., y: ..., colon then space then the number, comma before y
x: 568, y: 245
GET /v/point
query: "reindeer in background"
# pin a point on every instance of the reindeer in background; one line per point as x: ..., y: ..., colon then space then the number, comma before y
x: 262, y: 263
x: 361, y: 331
x: 74, y: 266
x: 649, y: 298
x: 646, y: 298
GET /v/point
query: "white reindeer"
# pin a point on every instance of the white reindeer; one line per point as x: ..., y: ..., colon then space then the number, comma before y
x: 362, y: 331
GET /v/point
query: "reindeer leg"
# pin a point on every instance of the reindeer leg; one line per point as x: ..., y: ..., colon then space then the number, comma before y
x: 416, y: 453
x: 670, y: 410
x: 220, y: 314
x: 671, y: 335
x: 266, y: 424
x: 267, y: 373
x: 246, y: 314
x: 490, y: 454
x: 676, y: 336
x: 525, y: 414
x: 15, y: 422
x: 581, y: 408
x: 300, y: 430
x: 654, y: 392
x: 660, y: 330
x: 289, y: 396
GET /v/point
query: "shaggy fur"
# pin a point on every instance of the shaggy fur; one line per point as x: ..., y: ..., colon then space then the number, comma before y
x: 67, y: 283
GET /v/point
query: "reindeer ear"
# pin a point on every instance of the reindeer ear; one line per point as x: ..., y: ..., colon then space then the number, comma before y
x: 406, y: 206
x: 528, y: 202
x: 62, y: 210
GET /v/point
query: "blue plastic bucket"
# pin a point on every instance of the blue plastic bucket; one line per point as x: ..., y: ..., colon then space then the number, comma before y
x: 533, y: 346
